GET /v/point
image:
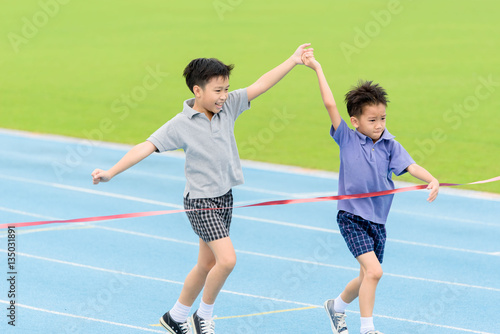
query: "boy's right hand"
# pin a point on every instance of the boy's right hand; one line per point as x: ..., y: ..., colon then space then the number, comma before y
x: 309, y: 60
x: 100, y: 175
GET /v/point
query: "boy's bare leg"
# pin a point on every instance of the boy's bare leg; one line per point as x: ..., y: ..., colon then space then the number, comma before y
x: 225, y: 260
x: 195, y: 280
x: 351, y: 290
x: 372, y: 272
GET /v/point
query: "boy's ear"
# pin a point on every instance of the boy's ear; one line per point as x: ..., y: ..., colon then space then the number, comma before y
x: 354, y: 122
x: 197, y: 90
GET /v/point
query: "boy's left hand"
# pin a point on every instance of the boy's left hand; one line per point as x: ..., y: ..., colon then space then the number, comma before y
x: 297, y: 55
x: 434, y: 188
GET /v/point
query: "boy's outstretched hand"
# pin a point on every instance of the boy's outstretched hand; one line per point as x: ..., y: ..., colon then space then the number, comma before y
x: 309, y: 60
x: 271, y: 78
x: 297, y: 55
x: 434, y: 188
x: 100, y: 175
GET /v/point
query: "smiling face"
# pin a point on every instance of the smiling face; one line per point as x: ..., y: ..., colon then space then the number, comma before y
x: 371, y: 123
x: 209, y: 99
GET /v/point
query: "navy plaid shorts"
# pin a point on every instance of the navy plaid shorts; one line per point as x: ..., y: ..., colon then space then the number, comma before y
x: 210, y: 225
x: 362, y: 236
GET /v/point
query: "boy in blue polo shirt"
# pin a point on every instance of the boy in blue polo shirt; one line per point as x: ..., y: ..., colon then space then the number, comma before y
x: 205, y: 131
x: 368, y: 157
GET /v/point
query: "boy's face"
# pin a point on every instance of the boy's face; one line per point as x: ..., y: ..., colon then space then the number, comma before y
x: 209, y: 100
x: 371, y: 123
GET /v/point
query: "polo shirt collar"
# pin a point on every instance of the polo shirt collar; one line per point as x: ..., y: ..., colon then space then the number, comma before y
x: 189, y: 111
x: 386, y: 135
x: 188, y: 108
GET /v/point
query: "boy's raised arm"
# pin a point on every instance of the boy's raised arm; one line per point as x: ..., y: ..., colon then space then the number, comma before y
x: 326, y: 92
x: 276, y: 74
x: 136, y: 154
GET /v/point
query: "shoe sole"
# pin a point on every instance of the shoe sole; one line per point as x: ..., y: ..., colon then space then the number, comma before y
x: 167, y: 327
x: 193, y: 327
x: 325, y: 305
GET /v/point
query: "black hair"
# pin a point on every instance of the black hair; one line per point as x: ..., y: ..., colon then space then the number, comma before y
x: 200, y: 70
x: 364, y: 93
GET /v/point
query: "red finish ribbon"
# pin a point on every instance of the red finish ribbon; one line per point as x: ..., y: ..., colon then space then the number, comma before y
x: 269, y: 203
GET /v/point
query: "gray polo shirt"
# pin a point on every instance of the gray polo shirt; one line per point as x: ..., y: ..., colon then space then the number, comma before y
x: 212, y: 162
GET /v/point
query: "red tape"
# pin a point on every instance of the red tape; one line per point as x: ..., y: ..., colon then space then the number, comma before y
x: 269, y: 203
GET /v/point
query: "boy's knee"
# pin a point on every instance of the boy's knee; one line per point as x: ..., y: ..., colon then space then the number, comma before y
x: 374, y: 273
x: 227, y: 262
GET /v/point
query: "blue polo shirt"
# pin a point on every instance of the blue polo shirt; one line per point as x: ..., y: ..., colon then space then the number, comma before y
x: 212, y: 165
x: 367, y: 167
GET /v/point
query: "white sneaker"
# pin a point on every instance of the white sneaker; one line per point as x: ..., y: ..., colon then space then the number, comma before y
x: 336, y: 319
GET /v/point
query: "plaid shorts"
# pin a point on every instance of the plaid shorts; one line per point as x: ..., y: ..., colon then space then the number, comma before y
x: 362, y: 236
x: 210, y: 225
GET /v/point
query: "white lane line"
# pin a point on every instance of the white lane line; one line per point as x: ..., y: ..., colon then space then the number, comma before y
x: 285, y: 258
x: 289, y: 259
x: 84, y: 318
x: 437, y: 217
x: 405, y: 242
x: 3, y: 234
x: 433, y: 325
x: 256, y: 165
x: 89, y: 191
x: 224, y: 291
x: 258, y: 190
x: 455, y: 249
x: 281, y: 223
x: 177, y: 206
x: 266, y: 255
x: 29, y: 214
x: 262, y: 220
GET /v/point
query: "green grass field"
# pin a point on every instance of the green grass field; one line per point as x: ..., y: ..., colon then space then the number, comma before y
x: 83, y: 69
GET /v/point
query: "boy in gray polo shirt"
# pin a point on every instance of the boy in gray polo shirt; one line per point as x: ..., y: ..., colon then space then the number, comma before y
x: 368, y: 157
x: 205, y: 131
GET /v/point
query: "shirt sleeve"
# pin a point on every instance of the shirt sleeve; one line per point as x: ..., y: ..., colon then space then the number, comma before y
x: 341, y: 135
x: 166, y: 137
x: 236, y: 103
x: 400, y: 159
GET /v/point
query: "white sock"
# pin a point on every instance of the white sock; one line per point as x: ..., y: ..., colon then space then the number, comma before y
x: 339, y: 306
x: 205, y: 311
x: 180, y: 312
x: 367, y: 325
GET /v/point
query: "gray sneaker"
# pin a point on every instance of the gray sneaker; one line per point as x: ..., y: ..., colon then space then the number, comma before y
x: 374, y: 332
x: 337, y: 319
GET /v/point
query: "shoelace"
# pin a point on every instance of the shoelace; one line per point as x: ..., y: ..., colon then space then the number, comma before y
x: 207, y: 326
x: 341, y: 326
x: 185, y: 328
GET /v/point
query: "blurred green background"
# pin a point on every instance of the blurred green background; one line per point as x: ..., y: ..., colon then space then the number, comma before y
x: 112, y: 70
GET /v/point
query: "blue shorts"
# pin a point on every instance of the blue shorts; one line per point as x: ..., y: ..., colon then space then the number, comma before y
x: 361, y: 235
